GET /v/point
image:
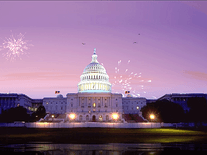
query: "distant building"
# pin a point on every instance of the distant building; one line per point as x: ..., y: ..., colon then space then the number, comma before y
x: 181, y: 99
x: 13, y: 100
x: 133, y: 105
x: 55, y: 105
x: 150, y: 100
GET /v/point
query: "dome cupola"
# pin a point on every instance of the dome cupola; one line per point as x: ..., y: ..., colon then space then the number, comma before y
x: 94, y: 77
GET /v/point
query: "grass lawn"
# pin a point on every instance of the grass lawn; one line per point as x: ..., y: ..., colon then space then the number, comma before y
x: 100, y: 135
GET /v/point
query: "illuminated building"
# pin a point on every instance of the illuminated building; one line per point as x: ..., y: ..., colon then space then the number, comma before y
x: 94, y: 78
x: 55, y: 105
x: 94, y: 100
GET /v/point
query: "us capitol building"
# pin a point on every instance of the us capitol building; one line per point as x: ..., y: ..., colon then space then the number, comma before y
x: 94, y: 100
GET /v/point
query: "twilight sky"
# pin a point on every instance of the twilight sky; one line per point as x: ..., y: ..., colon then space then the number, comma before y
x: 170, y: 50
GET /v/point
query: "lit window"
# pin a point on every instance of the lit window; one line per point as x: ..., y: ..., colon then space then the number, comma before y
x: 107, y: 118
x: 94, y: 105
x: 100, y: 118
x: 137, y: 108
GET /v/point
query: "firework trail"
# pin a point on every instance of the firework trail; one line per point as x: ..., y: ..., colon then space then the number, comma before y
x: 126, y: 80
x: 16, y: 47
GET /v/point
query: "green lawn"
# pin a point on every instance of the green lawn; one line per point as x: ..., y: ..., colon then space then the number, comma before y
x: 100, y: 135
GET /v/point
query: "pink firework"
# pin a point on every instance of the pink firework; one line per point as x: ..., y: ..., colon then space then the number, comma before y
x: 16, y: 47
x: 127, y: 80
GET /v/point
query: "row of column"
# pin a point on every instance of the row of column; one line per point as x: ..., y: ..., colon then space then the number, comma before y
x: 94, y: 77
x: 7, y: 102
x: 102, y: 101
x: 94, y: 86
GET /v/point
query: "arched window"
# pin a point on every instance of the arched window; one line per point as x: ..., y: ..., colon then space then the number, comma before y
x: 80, y: 118
x: 107, y: 117
x: 100, y: 118
x: 87, y: 118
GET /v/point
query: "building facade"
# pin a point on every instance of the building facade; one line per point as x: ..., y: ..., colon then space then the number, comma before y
x: 55, y: 105
x: 133, y: 105
x: 12, y: 100
x: 94, y: 100
x: 181, y: 99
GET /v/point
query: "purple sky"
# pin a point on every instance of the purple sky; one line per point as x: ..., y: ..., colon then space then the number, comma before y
x: 171, y: 49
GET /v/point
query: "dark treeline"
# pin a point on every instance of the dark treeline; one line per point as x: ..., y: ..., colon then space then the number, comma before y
x: 169, y: 112
x: 20, y: 114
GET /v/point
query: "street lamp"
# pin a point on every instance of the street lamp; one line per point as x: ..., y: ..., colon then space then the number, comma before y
x: 152, y: 117
x: 72, y: 116
x: 53, y: 117
x: 115, y: 116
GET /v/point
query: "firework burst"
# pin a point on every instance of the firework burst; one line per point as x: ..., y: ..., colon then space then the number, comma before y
x: 127, y: 80
x: 15, y: 47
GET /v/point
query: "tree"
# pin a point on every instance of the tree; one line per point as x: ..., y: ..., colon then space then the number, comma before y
x: 164, y: 111
x: 40, y: 113
x: 14, y: 114
x: 198, y: 109
x: 148, y: 110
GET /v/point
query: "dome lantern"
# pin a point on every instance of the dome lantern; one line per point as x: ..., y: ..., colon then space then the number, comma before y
x: 94, y: 57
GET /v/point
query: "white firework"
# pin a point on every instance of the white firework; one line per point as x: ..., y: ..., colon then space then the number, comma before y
x: 16, y: 47
x: 126, y: 80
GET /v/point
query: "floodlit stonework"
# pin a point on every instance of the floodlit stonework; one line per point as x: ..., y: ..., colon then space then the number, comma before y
x: 94, y: 101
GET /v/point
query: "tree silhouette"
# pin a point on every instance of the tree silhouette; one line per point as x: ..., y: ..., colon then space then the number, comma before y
x: 40, y: 113
x: 164, y: 111
x: 198, y: 109
x: 14, y: 114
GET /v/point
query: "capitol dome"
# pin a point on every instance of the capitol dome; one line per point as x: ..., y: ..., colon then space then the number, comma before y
x: 94, y: 78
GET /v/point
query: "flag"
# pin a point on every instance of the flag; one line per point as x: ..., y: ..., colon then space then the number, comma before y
x: 127, y: 92
x: 57, y: 92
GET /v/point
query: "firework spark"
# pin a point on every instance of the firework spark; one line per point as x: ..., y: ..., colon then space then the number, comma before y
x: 16, y: 47
x: 126, y: 80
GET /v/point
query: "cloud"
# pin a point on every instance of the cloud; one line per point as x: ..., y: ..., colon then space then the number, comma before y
x: 39, y: 76
x: 197, y: 75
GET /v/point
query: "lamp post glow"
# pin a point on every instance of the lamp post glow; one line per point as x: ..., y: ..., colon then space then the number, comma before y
x: 53, y: 117
x: 115, y: 116
x: 72, y: 116
x: 152, y: 117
